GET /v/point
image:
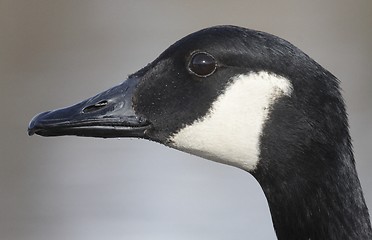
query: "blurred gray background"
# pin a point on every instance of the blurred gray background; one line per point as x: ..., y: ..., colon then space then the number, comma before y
x: 55, y: 53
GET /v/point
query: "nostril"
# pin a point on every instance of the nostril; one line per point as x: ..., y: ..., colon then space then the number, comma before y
x: 95, y: 107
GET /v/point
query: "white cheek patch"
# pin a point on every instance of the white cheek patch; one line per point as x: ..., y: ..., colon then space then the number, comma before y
x: 230, y: 131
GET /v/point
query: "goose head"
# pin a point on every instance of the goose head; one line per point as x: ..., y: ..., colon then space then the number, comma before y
x: 247, y: 99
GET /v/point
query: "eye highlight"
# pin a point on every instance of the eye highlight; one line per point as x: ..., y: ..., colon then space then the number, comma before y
x: 202, y: 64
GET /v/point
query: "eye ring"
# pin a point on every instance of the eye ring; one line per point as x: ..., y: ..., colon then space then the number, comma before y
x: 202, y: 64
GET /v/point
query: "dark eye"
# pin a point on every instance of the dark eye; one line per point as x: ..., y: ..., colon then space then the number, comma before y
x: 202, y: 64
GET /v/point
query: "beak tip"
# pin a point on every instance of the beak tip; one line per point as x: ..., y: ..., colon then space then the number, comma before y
x: 30, y: 131
x: 34, y: 123
x: 31, y: 127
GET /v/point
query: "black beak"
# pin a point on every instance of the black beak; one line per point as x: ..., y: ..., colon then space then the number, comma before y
x: 107, y: 115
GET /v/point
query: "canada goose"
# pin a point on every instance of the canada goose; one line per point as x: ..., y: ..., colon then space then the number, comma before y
x: 248, y: 99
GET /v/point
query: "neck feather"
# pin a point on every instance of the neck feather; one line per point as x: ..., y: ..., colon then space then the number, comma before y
x: 315, y: 201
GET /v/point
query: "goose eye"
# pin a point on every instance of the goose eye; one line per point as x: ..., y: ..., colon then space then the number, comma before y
x: 202, y: 64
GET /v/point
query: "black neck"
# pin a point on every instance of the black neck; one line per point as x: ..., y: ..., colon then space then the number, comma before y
x: 321, y: 201
x: 307, y: 169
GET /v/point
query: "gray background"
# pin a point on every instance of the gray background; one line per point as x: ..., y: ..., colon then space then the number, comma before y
x: 55, y: 53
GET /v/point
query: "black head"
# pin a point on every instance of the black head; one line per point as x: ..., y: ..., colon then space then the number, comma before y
x: 244, y: 98
x: 180, y: 87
